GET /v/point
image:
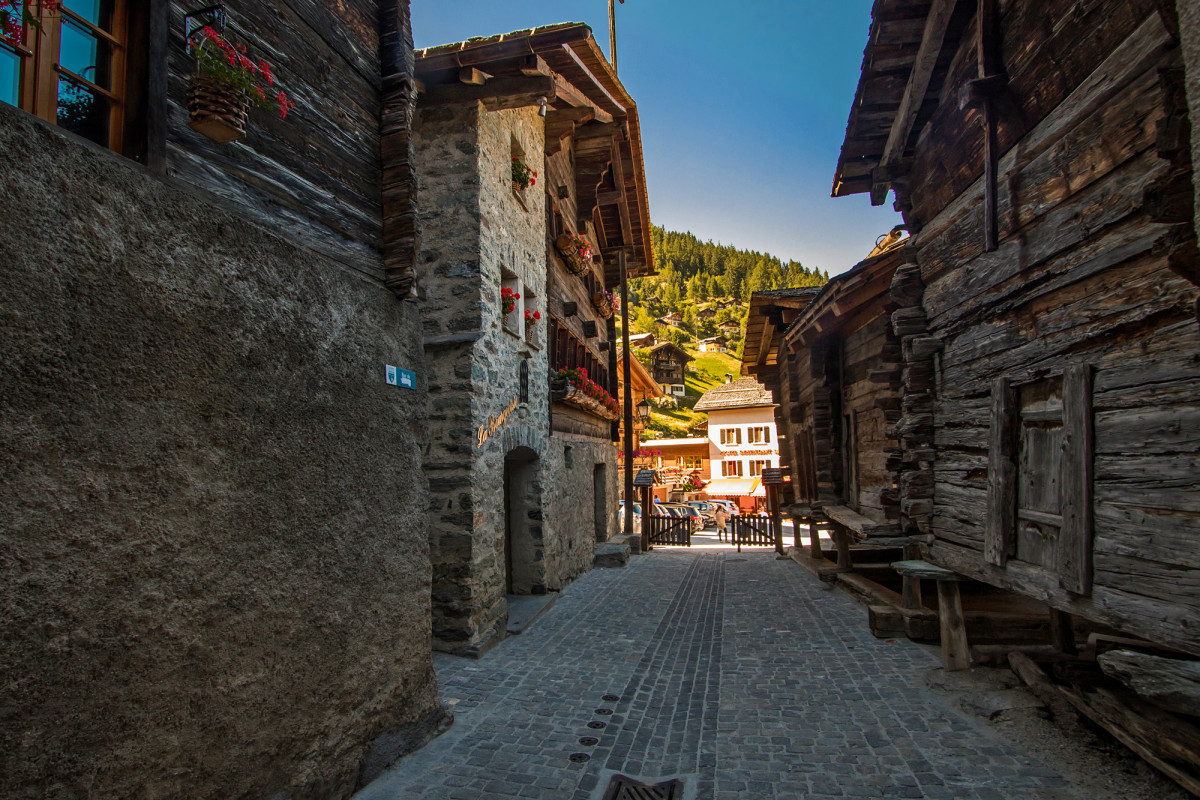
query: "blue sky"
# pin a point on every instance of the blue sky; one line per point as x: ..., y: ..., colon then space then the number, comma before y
x: 743, y: 108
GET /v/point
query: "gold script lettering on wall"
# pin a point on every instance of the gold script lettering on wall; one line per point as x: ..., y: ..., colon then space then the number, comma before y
x: 495, y: 422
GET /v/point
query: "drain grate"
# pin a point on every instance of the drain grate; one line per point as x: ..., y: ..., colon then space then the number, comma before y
x: 622, y: 787
x: 589, y: 741
x: 610, y: 698
x: 579, y: 758
x: 604, y: 712
x: 597, y: 725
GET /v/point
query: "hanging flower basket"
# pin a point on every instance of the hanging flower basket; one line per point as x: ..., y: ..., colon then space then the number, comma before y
x: 576, y: 252
x: 605, y: 304
x: 225, y: 83
x: 217, y: 110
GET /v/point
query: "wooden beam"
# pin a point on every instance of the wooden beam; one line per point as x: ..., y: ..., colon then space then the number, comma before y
x: 936, y: 24
x: 1076, y: 534
x: 618, y: 166
x: 496, y: 94
x: 472, y: 76
x: 579, y: 64
x: 566, y: 91
x: 534, y: 65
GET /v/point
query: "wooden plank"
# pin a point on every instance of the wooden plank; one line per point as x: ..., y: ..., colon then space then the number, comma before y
x: 1075, y: 554
x: 863, y: 527
x: 1002, y: 474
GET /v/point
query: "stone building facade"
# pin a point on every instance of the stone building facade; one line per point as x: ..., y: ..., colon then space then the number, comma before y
x: 215, y: 581
x: 523, y: 483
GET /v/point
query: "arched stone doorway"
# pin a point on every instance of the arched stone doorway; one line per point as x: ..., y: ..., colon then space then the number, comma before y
x: 524, y: 551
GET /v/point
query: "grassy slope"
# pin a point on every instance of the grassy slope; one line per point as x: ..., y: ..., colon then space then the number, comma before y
x: 708, y: 370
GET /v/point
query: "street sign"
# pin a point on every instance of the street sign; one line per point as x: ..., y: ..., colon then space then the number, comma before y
x: 772, y: 476
x: 644, y: 477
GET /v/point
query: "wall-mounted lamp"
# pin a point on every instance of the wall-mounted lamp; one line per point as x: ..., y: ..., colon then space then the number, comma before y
x: 542, y: 106
x: 643, y: 409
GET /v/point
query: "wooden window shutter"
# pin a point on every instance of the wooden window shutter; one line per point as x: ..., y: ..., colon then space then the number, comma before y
x: 1075, y: 543
x: 1002, y: 475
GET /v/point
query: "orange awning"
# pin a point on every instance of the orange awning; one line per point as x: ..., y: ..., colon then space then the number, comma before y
x: 732, y: 487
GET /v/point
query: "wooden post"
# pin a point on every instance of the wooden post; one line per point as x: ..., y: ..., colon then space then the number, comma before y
x: 911, y: 592
x: 776, y: 517
x: 612, y: 33
x: 814, y: 539
x: 647, y: 507
x: 627, y: 400
x: 955, y: 653
x: 796, y: 532
x: 1075, y: 542
x: 1062, y: 632
x: 842, y: 540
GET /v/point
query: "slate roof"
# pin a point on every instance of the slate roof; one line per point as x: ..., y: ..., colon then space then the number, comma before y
x: 742, y: 393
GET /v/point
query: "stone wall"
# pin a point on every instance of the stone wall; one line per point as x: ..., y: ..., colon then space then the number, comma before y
x: 572, y: 528
x: 477, y: 233
x: 211, y: 527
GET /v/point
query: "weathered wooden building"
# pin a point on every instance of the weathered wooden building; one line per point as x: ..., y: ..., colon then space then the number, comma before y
x: 1045, y: 308
x: 522, y: 467
x: 835, y: 363
x: 216, y: 574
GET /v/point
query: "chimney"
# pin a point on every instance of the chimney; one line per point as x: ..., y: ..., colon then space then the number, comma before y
x: 729, y: 377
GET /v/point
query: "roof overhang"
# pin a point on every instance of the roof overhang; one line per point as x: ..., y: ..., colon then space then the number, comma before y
x: 849, y: 300
x: 908, y: 53
x: 769, y: 316
x: 563, y: 64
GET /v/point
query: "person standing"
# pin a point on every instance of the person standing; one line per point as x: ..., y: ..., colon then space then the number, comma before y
x: 721, y: 517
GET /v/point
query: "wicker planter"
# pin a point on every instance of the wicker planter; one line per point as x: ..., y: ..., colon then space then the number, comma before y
x: 217, y: 111
x: 576, y: 264
x: 602, y: 304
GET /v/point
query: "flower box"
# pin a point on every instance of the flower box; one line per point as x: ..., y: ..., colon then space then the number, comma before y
x: 576, y: 398
x: 575, y: 255
x: 574, y: 388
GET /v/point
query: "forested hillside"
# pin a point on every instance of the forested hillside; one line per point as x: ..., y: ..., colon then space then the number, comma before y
x: 694, y: 276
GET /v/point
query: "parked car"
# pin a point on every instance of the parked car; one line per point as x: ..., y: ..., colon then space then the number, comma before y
x: 707, y: 511
x: 684, y: 511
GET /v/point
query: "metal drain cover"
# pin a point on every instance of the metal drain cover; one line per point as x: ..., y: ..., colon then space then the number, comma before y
x: 597, y: 724
x: 622, y: 787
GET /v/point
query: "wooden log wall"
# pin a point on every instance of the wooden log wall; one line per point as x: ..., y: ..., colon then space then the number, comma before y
x: 314, y: 177
x: 562, y: 202
x: 871, y: 375
x: 1077, y: 332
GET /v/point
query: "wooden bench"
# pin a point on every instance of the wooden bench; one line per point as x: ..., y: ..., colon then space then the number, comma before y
x: 850, y: 526
x: 955, y: 655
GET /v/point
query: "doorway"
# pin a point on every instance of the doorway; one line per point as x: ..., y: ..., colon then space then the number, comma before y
x: 524, y: 567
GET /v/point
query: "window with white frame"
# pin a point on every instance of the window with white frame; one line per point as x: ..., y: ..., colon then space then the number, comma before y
x: 731, y: 469
x: 731, y: 436
x: 689, y: 462
x: 758, y: 434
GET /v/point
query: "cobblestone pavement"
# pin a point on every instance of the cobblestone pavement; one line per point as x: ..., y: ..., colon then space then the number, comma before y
x: 743, y: 675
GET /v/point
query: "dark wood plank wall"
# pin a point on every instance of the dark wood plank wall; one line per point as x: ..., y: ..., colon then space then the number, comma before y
x: 561, y: 285
x: 1045, y: 57
x: 315, y: 176
x: 862, y: 397
x: 1076, y: 280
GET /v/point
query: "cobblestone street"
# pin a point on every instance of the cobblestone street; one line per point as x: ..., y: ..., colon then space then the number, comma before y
x: 743, y: 675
